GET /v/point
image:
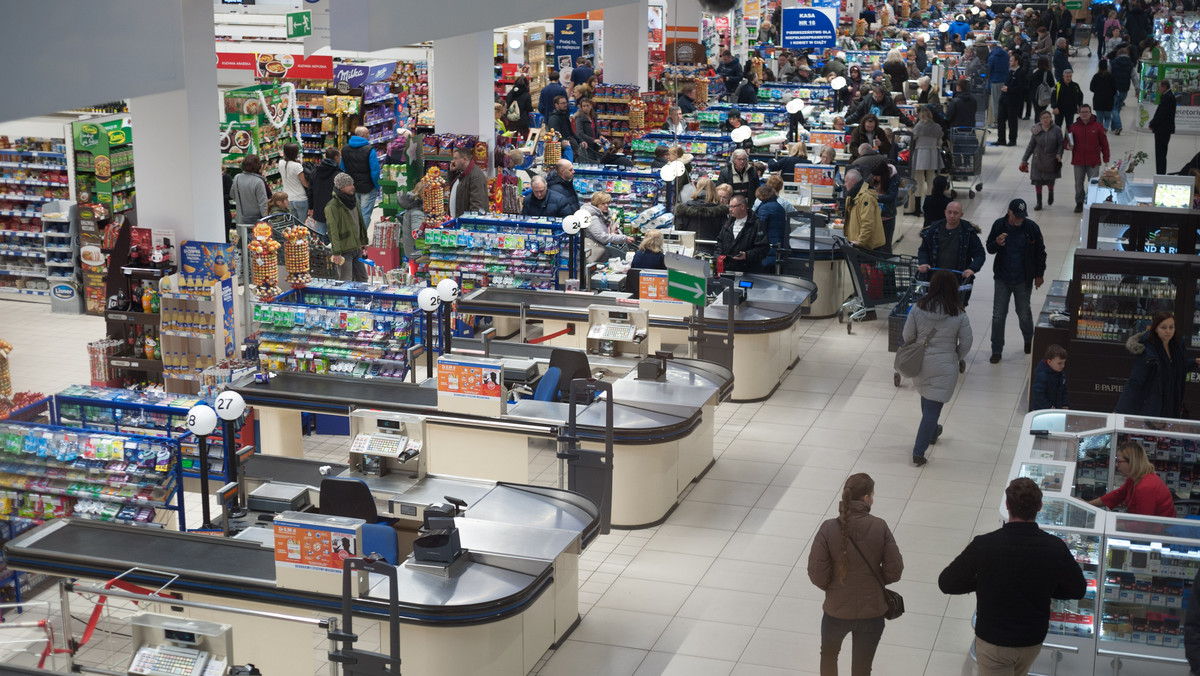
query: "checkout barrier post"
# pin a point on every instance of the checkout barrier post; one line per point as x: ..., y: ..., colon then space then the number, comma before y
x: 589, y: 473
x: 356, y: 662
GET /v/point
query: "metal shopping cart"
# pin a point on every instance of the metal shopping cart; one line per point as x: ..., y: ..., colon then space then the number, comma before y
x: 879, y: 279
x: 981, y: 91
x: 1082, y: 39
x: 966, y: 153
x: 899, y: 313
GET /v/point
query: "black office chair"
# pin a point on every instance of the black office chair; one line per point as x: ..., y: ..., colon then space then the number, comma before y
x: 633, y: 280
x: 352, y: 498
x: 571, y: 364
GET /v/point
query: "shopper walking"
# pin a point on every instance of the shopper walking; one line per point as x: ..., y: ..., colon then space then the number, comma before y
x: 560, y: 121
x: 951, y: 243
x: 997, y: 74
x: 518, y: 104
x: 249, y: 192
x: 1089, y: 148
x: 742, y: 243
x: 925, y: 160
x: 730, y: 72
x: 1045, y: 149
x: 1104, y: 93
x: 962, y: 109
x: 1123, y: 72
x: 773, y: 218
x: 1012, y: 96
x: 546, y: 97
x: 1067, y: 100
x: 1018, y: 266
x: 295, y: 184
x: 562, y: 181
x: 322, y: 187
x: 849, y: 557
x: 360, y: 161
x: 864, y: 221
x: 1041, y: 88
x: 1014, y: 572
x: 467, y: 184
x: 1163, y: 125
x: 347, y: 230
x: 934, y: 208
x: 896, y: 70
x: 1061, y: 62
x: 585, y: 131
x: 582, y: 71
x: 1155, y: 385
x: 1143, y: 491
x: 939, y: 321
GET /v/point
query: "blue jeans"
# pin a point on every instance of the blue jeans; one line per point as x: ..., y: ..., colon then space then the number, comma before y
x: 366, y: 203
x: 1118, y: 103
x: 320, y: 226
x: 930, y: 412
x: 866, y: 639
x: 1105, y: 117
x: 1020, y: 294
x: 299, y: 209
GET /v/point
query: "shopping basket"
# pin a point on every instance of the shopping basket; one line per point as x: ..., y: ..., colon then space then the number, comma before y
x: 879, y: 279
x: 966, y: 156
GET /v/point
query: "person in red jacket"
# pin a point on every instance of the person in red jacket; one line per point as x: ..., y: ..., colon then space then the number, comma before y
x: 1089, y: 148
x: 1143, y: 491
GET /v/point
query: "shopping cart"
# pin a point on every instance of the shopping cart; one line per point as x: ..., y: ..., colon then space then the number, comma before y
x: 899, y: 314
x: 319, y: 263
x: 966, y: 153
x: 1082, y: 39
x: 981, y: 91
x: 879, y: 279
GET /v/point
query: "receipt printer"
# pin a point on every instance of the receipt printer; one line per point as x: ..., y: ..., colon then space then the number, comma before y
x: 654, y: 368
x: 439, y: 541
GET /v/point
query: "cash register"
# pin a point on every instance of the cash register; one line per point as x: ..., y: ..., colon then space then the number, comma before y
x: 617, y: 330
x: 385, y: 443
x: 171, y: 646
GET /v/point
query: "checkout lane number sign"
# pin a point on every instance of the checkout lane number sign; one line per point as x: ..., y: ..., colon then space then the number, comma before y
x: 809, y: 27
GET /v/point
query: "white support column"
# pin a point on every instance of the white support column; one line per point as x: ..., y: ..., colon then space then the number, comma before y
x: 626, y: 58
x: 462, y: 103
x: 177, y: 162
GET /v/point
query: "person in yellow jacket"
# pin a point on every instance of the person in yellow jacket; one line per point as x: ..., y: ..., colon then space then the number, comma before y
x: 864, y: 221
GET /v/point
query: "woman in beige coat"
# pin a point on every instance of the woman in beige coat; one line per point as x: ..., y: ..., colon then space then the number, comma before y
x: 854, y: 602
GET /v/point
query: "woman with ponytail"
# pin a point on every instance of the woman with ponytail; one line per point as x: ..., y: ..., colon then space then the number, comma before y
x: 854, y: 603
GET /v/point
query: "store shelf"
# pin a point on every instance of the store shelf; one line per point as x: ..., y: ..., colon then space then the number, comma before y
x: 128, y: 317
x: 24, y: 181
x: 34, y: 165
x: 309, y: 119
x: 34, y: 293
x: 23, y: 273
x: 187, y: 334
x: 21, y: 214
x: 33, y: 153
x: 25, y: 198
x: 21, y: 252
x: 147, y: 365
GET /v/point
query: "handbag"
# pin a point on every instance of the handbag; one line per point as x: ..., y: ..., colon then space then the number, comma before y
x: 911, y: 356
x: 895, y: 602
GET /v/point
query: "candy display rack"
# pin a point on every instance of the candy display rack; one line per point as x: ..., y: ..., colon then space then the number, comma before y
x: 710, y: 151
x: 103, y: 152
x: 496, y: 250
x: 197, y: 329
x: 50, y: 472
x: 632, y: 190
x: 615, y: 114
x: 310, y: 104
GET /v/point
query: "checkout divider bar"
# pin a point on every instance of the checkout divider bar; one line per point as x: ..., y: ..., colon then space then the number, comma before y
x: 69, y: 587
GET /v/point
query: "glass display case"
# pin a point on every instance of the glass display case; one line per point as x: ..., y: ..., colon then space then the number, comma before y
x: 1112, y: 226
x: 1113, y: 296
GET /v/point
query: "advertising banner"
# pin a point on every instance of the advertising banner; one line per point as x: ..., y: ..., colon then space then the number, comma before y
x: 469, y: 379
x: 358, y: 74
x: 835, y: 139
x: 313, y: 546
x: 568, y: 42
x: 278, y: 65
x: 809, y: 27
x: 814, y: 174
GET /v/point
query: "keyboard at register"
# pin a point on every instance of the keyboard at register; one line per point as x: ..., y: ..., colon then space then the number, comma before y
x: 170, y: 661
x: 618, y: 332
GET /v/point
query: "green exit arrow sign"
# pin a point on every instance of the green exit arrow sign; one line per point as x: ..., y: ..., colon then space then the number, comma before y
x: 299, y: 24
x: 685, y: 287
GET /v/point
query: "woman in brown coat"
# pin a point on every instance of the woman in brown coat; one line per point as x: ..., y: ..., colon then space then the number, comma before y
x: 854, y: 603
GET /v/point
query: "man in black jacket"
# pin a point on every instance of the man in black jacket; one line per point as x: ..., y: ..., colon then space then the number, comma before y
x: 1122, y: 68
x: 743, y: 241
x: 952, y: 243
x: 560, y: 121
x: 1018, y: 265
x: 322, y: 186
x: 544, y: 202
x: 961, y: 111
x: 1014, y: 573
x: 562, y: 181
x: 1163, y: 125
x: 730, y: 71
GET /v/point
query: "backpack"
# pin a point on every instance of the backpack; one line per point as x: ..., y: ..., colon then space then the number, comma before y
x: 1044, y: 93
x: 514, y: 112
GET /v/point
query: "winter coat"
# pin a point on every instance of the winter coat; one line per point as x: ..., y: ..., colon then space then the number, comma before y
x: 746, y: 93
x: 547, y: 96
x: 1104, y: 91
x: 1049, y: 388
x: 859, y: 137
x: 322, y: 186
x: 752, y: 240
x: 581, y: 74
x: 934, y: 206
x: 1037, y: 78
x: 1045, y: 147
x: 926, y: 152
x: 1089, y: 143
x: 553, y: 205
x: 731, y: 73
x: 773, y: 218
x: 962, y: 110
x: 472, y: 194
x: 702, y: 218
x: 249, y: 193
x: 565, y: 189
x: 885, y: 108
x: 1034, y: 264
x: 1163, y: 121
x: 929, y: 97
x: 585, y: 132
x: 1068, y: 96
x: 361, y: 162
x: 1045, y: 44
x: 897, y: 72
x: 524, y: 104
x: 786, y: 166
x: 997, y: 66
x: 686, y: 105
x: 1060, y: 63
x: 560, y: 121
x: 410, y: 220
x: 1155, y: 385
x: 864, y: 221
x: 596, y: 235
x: 857, y: 596
x: 744, y: 183
x: 1122, y: 72
x: 1017, y: 83
x: 347, y: 233
x: 971, y: 254
x: 951, y: 344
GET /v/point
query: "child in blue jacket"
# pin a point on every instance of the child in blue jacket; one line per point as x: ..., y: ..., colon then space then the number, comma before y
x: 1049, y: 389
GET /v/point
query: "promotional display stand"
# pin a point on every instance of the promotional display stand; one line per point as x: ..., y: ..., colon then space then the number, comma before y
x: 496, y: 250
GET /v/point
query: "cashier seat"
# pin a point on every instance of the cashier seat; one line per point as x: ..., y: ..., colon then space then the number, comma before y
x: 352, y: 498
x: 571, y: 364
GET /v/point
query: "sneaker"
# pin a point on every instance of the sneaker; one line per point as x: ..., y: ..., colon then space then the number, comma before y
x: 1078, y: 208
x: 1117, y: 131
x: 919, y: 460
x: 995, y: 358
x: 1028, y: 348
x: 936, y: 433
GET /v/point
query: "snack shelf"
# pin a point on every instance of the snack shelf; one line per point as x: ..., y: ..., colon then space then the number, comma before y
x: 20, y: 233
x: 24, y: 181
x: 23, y: 273
x: 542, y: 240
x: 33, y: 165
x: 19, y: 214
x: 25, y: 198
x: 34, y: 153
x: 6, y: 251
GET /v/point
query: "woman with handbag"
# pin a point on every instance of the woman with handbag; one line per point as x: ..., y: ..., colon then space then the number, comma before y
x: 853, y: 557
x: 937, y: 338
x: 1046, y: 149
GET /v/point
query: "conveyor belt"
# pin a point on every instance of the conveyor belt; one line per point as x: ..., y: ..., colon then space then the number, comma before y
x: 290, y: 470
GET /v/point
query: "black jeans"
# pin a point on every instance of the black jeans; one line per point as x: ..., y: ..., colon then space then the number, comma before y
x: 1008, y: 114
x: 1064, y: 121
x: 866, y: 639
x: 1160, y: 152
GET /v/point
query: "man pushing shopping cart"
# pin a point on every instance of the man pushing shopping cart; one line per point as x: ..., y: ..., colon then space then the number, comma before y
x: 952, y: 243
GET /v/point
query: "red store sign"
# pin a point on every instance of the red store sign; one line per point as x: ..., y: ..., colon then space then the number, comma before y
x: 279, y: 65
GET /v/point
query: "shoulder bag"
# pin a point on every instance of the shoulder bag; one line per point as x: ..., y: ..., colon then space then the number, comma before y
x: 895, y: 602
x: 910, y: 356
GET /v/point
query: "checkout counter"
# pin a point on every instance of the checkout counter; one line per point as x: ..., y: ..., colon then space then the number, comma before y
x: 485, y: 584
x: 765, y: 323
x: 663, y: 422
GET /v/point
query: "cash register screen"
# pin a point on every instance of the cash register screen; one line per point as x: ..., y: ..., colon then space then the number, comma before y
x: 622, y: 316
x: 181, y: 637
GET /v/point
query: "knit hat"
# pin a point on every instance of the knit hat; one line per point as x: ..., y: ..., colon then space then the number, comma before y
x: 342, y: 180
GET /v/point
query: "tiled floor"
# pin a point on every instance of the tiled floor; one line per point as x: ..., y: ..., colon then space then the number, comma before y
x: 720, y: 588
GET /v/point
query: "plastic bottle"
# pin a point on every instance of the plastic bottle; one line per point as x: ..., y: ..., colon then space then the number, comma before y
x: 146, y: 297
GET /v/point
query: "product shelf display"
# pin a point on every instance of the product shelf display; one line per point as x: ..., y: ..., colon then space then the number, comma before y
x: 496, y: 250
x: 619, y: 109
x: 1113, y: 296
x: 310, y: 106
x: 337, y: 328
x: 1139, y: 569
x: 1179, y: 36
x: 33, y: 175
x: 50, y: 472
x: 633, y: 190
x: 710, y: 151
x: 1185, y: 83
x: 197, y: 328
x: 379, y: 112
x: 762, y: 117
x: 103, y: 150
x: 257, y: 120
